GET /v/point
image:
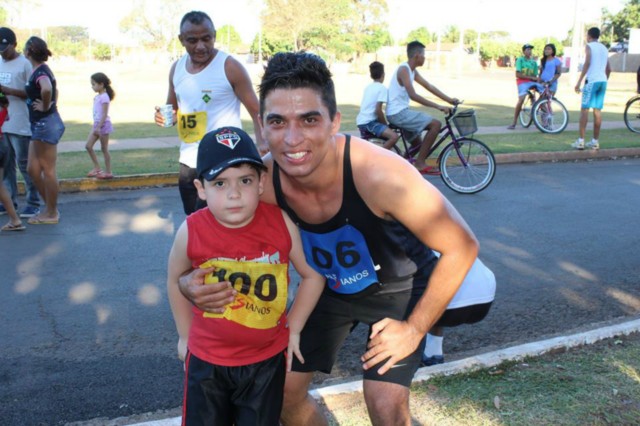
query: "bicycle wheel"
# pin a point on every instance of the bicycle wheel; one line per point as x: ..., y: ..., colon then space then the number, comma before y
x: 468, y: 167
x: 525, y: 117
x: 632, y: 114
x: 550, y: 116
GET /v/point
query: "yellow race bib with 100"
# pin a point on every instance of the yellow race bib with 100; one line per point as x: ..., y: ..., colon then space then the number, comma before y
x: 192, y: 126
x: 261, y: 287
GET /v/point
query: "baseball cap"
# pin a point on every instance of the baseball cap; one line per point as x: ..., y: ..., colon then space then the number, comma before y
x: 7, y: 38
x: 224, y: 147
x: 526, y: 46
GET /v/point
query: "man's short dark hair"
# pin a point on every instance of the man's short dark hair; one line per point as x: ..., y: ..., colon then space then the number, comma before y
x: 299, y: 70
x: 197, y: 17
x: 376, y: 70
x: 413, y: 48
x: 594, y: 33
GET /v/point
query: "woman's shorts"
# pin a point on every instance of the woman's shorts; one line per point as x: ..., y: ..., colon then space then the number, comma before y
x: 48, y: 129
x: 4, y: 153
x: 106, y: 128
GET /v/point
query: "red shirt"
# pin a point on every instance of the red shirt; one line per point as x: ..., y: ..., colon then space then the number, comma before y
x: 255, y: 259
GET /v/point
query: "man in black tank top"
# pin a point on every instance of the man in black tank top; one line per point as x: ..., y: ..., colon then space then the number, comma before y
x: 366, y: 215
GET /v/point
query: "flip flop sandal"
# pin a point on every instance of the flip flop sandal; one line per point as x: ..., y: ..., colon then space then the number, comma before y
x: 434, y: 171
x: 39, y: 221
x: 94, y: 173
x: 103, y: 175
x: 10, y: 227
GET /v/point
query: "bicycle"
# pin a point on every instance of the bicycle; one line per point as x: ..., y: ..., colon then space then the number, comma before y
x: 632, y: 114
x: 467, y: 165
x: 547, y: 112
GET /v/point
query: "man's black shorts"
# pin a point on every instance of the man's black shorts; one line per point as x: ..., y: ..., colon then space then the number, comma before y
x: 333, y: 319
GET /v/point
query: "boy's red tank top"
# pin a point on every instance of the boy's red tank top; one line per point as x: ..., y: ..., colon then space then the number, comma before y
x: 255, y: 259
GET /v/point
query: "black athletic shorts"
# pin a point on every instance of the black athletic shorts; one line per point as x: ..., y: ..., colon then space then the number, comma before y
x: 247, y: 395
x: 335, y: 316
x: 464, y: 315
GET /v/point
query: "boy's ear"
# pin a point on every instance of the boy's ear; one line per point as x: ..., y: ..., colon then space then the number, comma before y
x: 262, y: 181
x: 200, y: 187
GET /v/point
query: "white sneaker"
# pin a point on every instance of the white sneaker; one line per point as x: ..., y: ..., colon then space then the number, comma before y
x: 593, y: 145
x: 578, y: 144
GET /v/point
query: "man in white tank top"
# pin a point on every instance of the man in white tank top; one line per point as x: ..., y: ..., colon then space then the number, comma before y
x: 206, y: 88
x: 597, y: 69
x: 401, y: 90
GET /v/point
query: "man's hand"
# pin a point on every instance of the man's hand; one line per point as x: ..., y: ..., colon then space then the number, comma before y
x: 211, y: 297
x: 577, y: 88
x: 391, y: 340
x: 445, y: 109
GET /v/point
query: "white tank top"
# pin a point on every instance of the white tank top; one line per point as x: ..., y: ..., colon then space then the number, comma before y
x: 398, y: 96
x: 206, y: 101
x: 598, y: 66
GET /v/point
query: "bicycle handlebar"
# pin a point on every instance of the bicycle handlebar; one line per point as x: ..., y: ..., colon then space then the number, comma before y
x: 453, y: 109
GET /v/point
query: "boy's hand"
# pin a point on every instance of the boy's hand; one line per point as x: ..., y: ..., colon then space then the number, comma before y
x: 211, y: 297
x: 182, y: 349
x: 293, y: 349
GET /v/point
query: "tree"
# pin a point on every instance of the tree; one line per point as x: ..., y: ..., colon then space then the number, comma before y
x: 152, y: 23
x: 421, y: 34
x: 338, y: 28
x: 619, y: 24
x: 228, y: 37
x: 68, y: 40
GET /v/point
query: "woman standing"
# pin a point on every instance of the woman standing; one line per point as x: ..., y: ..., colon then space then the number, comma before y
x: 46, y: 130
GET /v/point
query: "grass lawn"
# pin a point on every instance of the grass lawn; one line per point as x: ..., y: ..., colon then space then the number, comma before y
x: 597, y: 384
x: 140, y: 87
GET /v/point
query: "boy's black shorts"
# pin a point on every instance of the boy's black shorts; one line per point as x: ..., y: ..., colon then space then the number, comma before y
x: 335, y: 316
x: 247, y: 395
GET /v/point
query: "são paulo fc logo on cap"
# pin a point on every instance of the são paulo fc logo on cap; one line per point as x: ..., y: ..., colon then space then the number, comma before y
x: 228, y: 138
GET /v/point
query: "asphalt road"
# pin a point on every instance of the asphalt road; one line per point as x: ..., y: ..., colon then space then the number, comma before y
x: 87, y: 330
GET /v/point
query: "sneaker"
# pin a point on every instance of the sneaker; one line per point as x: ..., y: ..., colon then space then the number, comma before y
x: 578, y: 145
x: 428, y: 361
x: 29, y: 211
x: 593, y: 145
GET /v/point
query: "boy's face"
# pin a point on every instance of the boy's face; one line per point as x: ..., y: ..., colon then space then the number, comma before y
x: 297, y: 126
x: 232, y: 197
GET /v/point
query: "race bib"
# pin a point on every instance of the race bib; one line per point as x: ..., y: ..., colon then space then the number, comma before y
x: 343, y: 257
x: 261, y: 287
x: 192, y: 126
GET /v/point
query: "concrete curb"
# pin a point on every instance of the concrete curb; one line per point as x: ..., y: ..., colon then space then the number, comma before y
x: 473, y: 363
x: 171, y: 179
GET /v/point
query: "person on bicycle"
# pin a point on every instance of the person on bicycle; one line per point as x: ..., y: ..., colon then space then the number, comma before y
x: 526, y: 78
x: 401, y: 90
x: 550, y: 68
x: 370, y: 120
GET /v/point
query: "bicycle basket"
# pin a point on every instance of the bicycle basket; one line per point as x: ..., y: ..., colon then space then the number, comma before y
x: 465, y: 122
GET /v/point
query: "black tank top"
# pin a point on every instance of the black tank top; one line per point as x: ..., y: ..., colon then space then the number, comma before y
x: 397, y: 255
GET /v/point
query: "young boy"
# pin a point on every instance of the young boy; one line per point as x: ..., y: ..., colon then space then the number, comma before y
x: 14, y: 224
x: 235, y: 361
x: 371, y: 119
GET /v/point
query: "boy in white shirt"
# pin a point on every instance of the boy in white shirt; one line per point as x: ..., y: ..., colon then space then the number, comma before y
x: 371, y: 120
